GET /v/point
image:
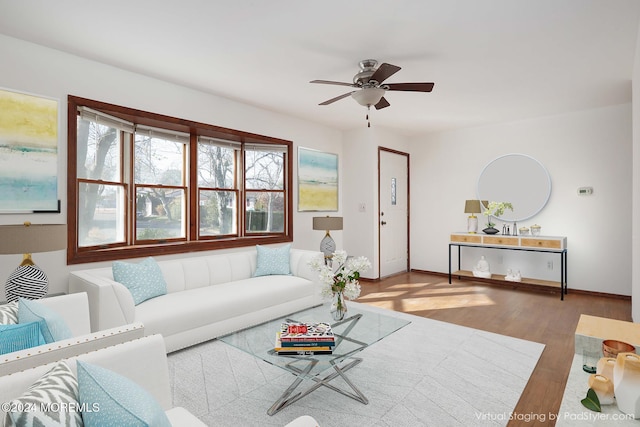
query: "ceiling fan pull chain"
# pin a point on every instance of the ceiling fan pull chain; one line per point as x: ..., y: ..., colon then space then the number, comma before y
x: 368, y: 122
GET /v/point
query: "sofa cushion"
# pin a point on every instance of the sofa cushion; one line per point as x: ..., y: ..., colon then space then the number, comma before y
x: 20, y: 336
x: 59, y: 387
x: 52, y: 325
x: 122, y: 402
x: 9, y: 313
x: 177, y: 312
x: 144, y: 279
x: 273, y: 261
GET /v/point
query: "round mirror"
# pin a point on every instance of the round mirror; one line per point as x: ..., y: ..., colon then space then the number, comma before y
x: 518, y: 179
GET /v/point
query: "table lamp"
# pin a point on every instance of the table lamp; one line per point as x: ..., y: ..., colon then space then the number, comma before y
x: 327, y: 245
x: 472, y: 207
x: 28, y: 280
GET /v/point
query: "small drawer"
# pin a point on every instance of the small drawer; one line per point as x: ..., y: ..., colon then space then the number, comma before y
x: 542, y: 243
x: 466, y: 238
x: 500, y: 240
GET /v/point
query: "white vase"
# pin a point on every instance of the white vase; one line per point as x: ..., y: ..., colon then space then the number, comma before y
x: 626, y: 383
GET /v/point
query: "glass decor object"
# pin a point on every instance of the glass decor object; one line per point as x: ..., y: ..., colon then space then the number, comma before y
x: 338, y: 306
x: 590, y: 358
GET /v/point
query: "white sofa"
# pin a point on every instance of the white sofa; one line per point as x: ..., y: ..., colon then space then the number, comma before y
x: 207, y: 296
x: 144, y: 361
x: 74, y: 310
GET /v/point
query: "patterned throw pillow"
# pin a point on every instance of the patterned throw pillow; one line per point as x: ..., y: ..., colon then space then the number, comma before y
x: 50, y: 401
x: 272, y: 260
x: 9, y: 313
x: 20, y: 337
x: 52, y: 325
x: 122, y: 402
x: 144, y: 280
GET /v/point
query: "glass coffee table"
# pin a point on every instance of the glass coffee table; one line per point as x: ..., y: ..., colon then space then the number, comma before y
x: 358, y: 330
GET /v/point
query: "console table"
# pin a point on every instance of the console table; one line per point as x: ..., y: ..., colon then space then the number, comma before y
x: 553, y: 244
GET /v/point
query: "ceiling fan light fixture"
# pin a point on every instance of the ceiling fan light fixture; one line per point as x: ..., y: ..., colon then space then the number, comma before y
x: 368, y: 96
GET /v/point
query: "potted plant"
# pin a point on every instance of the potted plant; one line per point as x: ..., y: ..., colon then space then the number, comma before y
x: 494, y: 209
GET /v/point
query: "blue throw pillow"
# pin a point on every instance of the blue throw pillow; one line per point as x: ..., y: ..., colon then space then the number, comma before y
x: 20, y: 337
x: 122, y: 402
x: 52, y: 325
x: 144, y: 280
x: 272, y: 260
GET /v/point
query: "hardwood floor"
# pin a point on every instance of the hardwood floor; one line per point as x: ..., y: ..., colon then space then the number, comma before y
x: 535, y: 316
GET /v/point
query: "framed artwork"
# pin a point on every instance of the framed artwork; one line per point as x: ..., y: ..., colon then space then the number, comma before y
x: 317, y: 181
x: 28, y: 153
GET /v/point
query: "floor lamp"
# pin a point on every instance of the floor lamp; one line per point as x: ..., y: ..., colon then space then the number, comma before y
x: 28, y: 280
x: 327, y: 223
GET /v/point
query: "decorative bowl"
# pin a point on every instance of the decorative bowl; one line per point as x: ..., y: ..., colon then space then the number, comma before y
x: 611, y: 348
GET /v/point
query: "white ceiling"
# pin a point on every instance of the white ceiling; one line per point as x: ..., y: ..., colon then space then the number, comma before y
x: 491, y: 60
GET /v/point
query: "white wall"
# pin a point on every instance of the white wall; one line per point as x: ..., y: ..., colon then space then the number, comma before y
x: 38, y: 70
x: 360, y: 178
x: 587, y: 148
x: 635, y: 294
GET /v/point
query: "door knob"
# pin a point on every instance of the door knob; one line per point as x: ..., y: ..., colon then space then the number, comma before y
x: 383, y: 222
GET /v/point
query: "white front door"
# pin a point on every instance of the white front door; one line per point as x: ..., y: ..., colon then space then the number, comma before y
x: 393, y: 193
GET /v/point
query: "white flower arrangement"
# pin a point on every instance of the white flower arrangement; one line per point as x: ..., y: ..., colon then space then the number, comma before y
x: 496, y: 209
x: 344, y: 278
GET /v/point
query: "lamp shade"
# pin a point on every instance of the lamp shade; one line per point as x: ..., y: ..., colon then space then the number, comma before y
x: 32, y: 238
x: 327, y: 223
x: 472, y: 206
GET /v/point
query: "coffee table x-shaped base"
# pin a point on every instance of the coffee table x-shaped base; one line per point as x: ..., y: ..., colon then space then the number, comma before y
x: 340, y: 364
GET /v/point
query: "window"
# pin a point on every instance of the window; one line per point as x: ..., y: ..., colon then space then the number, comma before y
x: 143, y: 184
x: 217, y: 187
x: 265, y: 195
x: 160, y: 184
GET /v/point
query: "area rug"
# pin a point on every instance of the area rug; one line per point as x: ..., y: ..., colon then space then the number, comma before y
x: 428, y: 373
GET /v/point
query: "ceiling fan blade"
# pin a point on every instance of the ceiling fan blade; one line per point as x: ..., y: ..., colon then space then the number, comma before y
x: 329, y: 82
x: 337, y: 98
x: 410, y: 87
x: 384, y: 71
x: 383, y: 103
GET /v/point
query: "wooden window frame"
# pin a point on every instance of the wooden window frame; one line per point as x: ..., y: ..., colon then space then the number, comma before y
x: 77, y: 255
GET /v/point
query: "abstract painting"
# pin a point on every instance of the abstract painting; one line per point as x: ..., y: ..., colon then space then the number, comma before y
x: 28, y: 153
x: 317, y: 180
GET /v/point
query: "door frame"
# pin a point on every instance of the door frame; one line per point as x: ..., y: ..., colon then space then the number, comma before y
x: 401, y: 153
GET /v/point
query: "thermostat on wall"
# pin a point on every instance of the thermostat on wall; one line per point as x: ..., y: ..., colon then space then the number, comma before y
x: 585, y: 191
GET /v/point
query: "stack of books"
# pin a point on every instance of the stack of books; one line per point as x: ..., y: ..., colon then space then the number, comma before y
x: 304, y: 338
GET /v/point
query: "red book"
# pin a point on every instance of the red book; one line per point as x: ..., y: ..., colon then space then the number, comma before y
x: 306, y: 332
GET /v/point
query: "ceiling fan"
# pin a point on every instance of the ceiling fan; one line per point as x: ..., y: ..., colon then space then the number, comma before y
x: 370, y: 88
